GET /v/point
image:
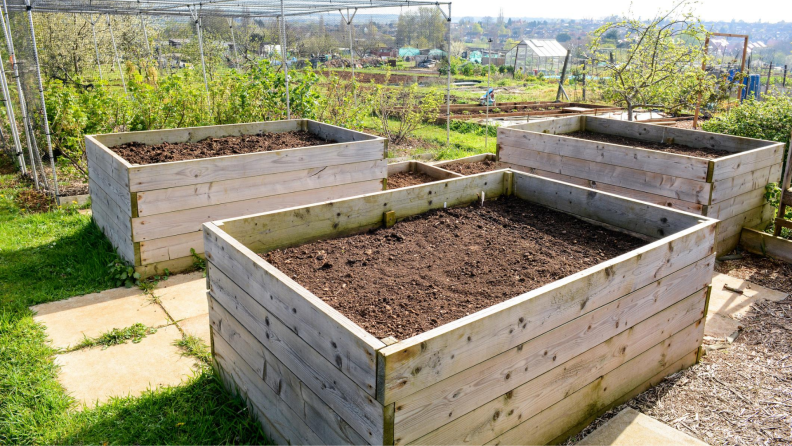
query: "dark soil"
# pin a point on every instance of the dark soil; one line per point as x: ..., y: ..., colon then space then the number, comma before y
x: 139, y: 153
x: 672, y: 148
x: 435, y: 268
x: 474, y: 168
x: 33, y: 201
x: 760, y: 270
x: 404, y: 179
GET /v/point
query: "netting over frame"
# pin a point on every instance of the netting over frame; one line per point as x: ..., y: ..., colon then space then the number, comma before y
x: 225, y: 8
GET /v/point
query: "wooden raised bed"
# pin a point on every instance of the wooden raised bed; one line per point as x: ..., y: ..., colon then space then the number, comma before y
x: 530, y: 370
x: 759, y: 242
x: 153, y: 213
x: 423, y: 168
x: 730, y: 188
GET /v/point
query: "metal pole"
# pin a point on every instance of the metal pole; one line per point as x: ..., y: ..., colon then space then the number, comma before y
x: 448, y: 81
x: 783, y: 83
x: 43, y: 102
x: 561, y: 79
x: 233, y: 40
x: 348, y: 20
x: 96, y: 47
x: 115, y: 52
x: 583, y: 82
x: 197, y: 17
x: 18, y: 154
x: 283, y: 58
x: 486, y: 99
x: 145, y: 37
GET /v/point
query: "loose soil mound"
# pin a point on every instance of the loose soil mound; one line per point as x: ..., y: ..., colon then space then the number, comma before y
x: 139, y: 153
x: 443, y: 265
x: 672, y: 148
x: 404, y: 179
x: 474, y: 168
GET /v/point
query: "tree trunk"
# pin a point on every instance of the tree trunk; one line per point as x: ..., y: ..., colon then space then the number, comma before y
x: 629, y: 111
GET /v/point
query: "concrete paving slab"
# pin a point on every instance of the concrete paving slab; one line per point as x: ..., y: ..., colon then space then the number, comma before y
x: 183, y: 296
x: 94, y: 375
x: 632, y: 428
x: 720, y: 326
x: 69, y: 321
x: 197, y: 326
x: 731, y: 299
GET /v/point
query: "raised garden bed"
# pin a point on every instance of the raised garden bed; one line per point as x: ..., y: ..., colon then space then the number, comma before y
x: 759, y: 242
x: 471, y: 165
x: 504, y: 361
x: 411, y: 173
x: 152, y: 212
x: 721, y: 176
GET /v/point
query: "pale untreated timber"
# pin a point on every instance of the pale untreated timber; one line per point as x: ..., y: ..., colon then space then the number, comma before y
x: 467, y: 159
x: 121, y: 219
x: 737, y: 205
x: 181, y: 173
x: 349, y: 347
x: 746, y: 182
x: 424, y: 411
x: 118, y: 238
x: 170, y: 248
x: 292, y: 227
x: 418, y: 362
x: 118, y: 193
x: 190, y: 220
x: 107, y: 160
x: 525, y: 401
x: 765, y: 244
x: 280, y: 353
x: 239, y: 189
x: 742, y: 163
x: 748, y: 219
x: 178, y: 265
x: 655, y: 183
x: 666, y: 163
x: 554, y: 126
x: 336, y: 133
x: 633, y: 215
x: 623, y: 191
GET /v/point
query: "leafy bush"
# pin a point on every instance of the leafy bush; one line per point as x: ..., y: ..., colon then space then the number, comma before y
x: 473, y: 128
x: 402, y: 111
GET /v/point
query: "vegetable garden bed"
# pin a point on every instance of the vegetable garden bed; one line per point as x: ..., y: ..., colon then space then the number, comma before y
x: 729, y: 188
x: 411, y: 173
x: 527, y: 364
x: 152, y: 213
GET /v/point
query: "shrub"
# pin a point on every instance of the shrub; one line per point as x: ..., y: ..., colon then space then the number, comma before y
x: 402, y: 111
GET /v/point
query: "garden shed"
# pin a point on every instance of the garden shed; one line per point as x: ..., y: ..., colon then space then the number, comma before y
x: 536, y: 55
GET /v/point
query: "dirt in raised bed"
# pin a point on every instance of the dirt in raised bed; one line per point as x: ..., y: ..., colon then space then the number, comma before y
x: 405, y: 179
x: 641, y: 144
x: 474, y: 168
x: 139, y: 153
x: 445, y: 264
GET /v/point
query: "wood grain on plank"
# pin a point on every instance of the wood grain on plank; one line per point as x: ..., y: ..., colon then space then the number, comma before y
x: 654, y: 183
x: 118, y: 193
x: 121, y: 219
x: 748, y: 219
x: 181, y: 173
x: 120, y: 240
x: 418, y: 362
x: 169, y: 248
x: 106, y: 159
x: 347, y: 346
x: 737, y: 205
x: 190, y: 220
x: 743, y: 183
x: 552, y: 126
x: 218, y: 192
x: 765, y: 244
x: 742, y: 163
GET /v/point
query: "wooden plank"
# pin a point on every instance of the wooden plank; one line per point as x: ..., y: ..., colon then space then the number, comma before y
x: 749, y: 219
x: 727, y: 245
x: 170, y: 248
x: 450, y: 399
x: 435, y: 172
x: 765, y: 244
x: 117, y: 192
x: 190, y: 220
x: 654, y: 183
x: 112, y: 210
x: 277, y: 419
x: 173, y: 266
x: 625, y: 382
x: 418, y: 362
x: 630, y: 193
x: 525, y: 401
x: 273, y: 230
x: 350, y: 348
x: 181, y: 173
x: 552, y: 126
x: 335, y: 133
x: 195, y: 134
x: 467, y: 159
x: 288, y: 385
x: 743, y: 183
x: 688, y: 137
x: 402, y: 167
x: 742, y: 163
x: 120, y: 240
x: 737, y: 205
x: 633, y: 215
x: 239, y: 189
x: 666, y: 163
x: 107, y: 160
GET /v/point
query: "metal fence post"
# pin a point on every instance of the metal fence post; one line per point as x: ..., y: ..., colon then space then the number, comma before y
x: 283, y: 58
x: 115, y: 52
x: 96, y: 46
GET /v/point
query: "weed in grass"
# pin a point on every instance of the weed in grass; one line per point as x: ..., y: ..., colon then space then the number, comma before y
x: 195, y: 347
x: 199, y: 263
x: 134, y: 333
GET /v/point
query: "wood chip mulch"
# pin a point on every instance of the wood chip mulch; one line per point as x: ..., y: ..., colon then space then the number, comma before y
x: 738, y: 396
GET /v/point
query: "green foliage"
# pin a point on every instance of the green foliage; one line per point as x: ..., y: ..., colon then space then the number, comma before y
x: 116, y: 336
x: 199, y: 263
x: 773, y: 197
x: 402, y: 110
x: 123, y: 274
x: 193, y: 346
x: 339, y: 106
x: 473, y: 128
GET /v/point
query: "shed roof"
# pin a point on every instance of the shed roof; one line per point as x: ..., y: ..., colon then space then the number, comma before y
x: 545, y: 47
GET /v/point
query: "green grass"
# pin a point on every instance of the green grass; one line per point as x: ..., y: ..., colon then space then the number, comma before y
x: 56, y: 255
x: 134, y: 333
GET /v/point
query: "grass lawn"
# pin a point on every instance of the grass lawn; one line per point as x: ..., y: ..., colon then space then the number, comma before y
x: 59, y: 254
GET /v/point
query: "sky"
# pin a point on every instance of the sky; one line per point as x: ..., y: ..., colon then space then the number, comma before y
x: 708, y: 10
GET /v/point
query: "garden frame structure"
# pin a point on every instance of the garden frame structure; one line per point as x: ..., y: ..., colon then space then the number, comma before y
x: 193, y: 9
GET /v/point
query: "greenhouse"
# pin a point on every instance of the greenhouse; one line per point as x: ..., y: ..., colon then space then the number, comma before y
x: 537, y: 56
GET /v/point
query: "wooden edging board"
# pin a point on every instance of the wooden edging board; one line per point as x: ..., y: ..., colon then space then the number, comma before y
x: 725, y: 188
x: 625, y: 322
x: 759, y: 242
x: 419, y: 167
x: 153, y: 213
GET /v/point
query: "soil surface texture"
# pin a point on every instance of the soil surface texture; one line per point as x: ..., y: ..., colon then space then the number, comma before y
x: 445, y: 264
x: 769, y: 273
x: 474, y: 168
x: 404, y: 179
x: 139, y: 153
x: 672, y: 148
